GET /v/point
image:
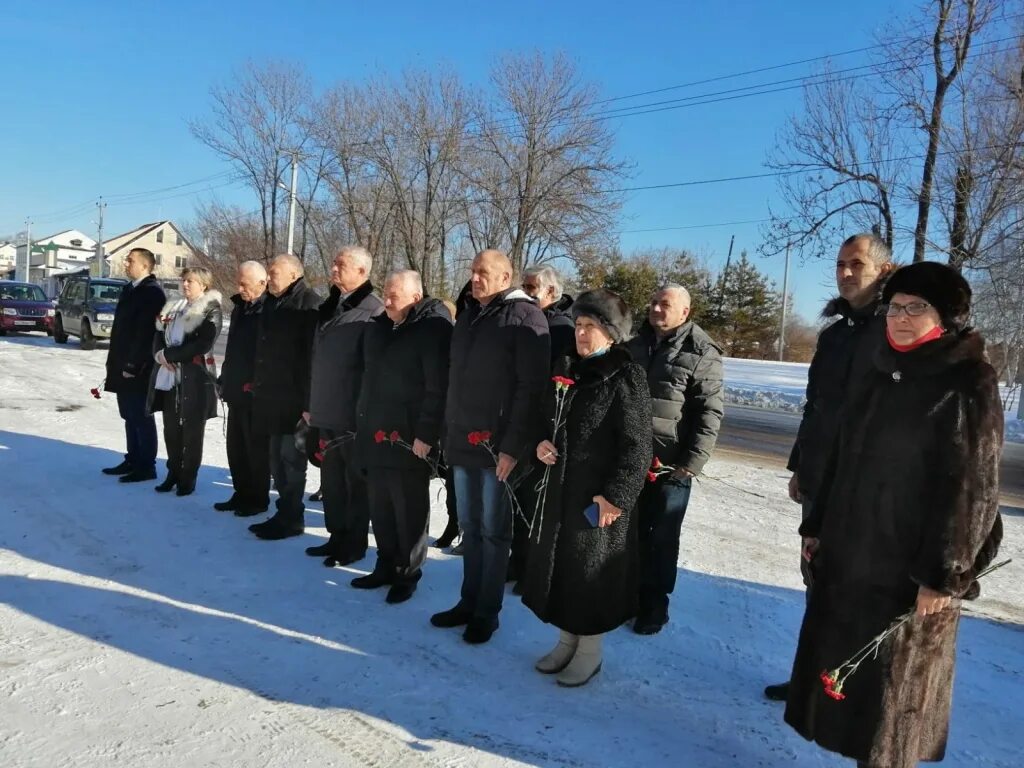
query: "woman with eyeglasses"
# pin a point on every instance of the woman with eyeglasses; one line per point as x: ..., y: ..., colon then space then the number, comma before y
x: 906, y: 518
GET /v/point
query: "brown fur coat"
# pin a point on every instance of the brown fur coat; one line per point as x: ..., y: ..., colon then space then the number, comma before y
x: 910, y: 497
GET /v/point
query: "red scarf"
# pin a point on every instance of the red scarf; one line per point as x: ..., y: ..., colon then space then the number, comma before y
x: 932, y: 335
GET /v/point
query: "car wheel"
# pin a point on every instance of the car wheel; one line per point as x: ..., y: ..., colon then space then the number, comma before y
x: 58, y: 331
x: 3, y: 332
x: 88, y: 341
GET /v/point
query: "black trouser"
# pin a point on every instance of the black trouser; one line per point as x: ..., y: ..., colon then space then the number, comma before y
x: 346, y: 506
x: 139, y: 431
x: 662, y: 508
x: 288, y: 468
x: 183, y: 437
x: 400, y: 510
x: 248, y: 457
x: 449, y: 497
x: 526, y: 495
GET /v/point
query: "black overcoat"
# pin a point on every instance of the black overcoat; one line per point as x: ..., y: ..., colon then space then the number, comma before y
x: 236, y: 374
x: 131, y: 338
x: 583, y: 579
x: 910, y: 498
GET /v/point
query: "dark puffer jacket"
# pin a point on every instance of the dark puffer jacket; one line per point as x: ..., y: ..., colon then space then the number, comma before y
x: 283, y: 352
x: 561, y: 327
x: 579, y: 578
x: 196, y: 390
x: 131, y: 338
x: 240, y: 352
x: 500, y: 364
x: 910, y: 498
x: 684, y: 371
x: 338, y: 357
x: 842, y: 360
x: 404, y: 384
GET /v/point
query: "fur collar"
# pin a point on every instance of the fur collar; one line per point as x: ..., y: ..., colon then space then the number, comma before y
x: 965, y: 347
x: 591, y: 371
x: 195, y: 313
x: 357, y: 296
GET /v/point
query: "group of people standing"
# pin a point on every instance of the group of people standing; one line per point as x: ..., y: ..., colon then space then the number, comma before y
x: 569, y: 445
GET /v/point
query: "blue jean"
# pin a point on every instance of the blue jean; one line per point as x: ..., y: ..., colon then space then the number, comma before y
x: 661, y: 510
x: 485, y: 517
x: 139, y: 431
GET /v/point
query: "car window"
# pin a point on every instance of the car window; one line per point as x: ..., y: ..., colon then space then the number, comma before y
x: 77, y: 291
x: 22, y: 293
x: 104, y: 292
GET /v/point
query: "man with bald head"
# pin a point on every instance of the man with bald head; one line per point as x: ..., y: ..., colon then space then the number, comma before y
x: 500, y: 359
x: 280, y: 388
x: 403, y: 391
x: 343, y: 320
x: 684, y: 373
x: 248, y: 448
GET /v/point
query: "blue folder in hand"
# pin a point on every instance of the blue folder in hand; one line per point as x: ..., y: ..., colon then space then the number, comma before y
x: 591, y: 513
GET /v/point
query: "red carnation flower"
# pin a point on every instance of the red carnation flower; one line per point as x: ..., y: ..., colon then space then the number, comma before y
x: 474, y: 438
x: 834, y: 694
x: 380, y: 436
x: 563, y: 381
x: 485, y: 437
x: 395, y: 437
x: 651, y: 477
x: 323, y: 443
x: 247, y: 387
x: 826, y: 678
x: 210, y: 360
x: 95, y: 392
x: 656, y: 464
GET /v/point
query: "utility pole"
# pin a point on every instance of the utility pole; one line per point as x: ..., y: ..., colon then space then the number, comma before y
x: 24, y: 276
x: 99, y: 241
x: 785, y: 300
x: 291, y: 203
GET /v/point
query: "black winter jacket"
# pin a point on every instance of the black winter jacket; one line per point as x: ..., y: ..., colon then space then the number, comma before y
x: 843, y: 358
x: 562, y: 328
x: 684, y: 372
x: 197, y: 369
x: 404, y: 384
x: 500, y: 364
x: 338, y: 357
x: 579, y: 578
x: 131, y: 338
x: 236, y: 374
x: 283, y: 352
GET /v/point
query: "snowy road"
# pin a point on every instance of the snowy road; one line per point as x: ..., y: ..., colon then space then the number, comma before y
x: 153, y: 632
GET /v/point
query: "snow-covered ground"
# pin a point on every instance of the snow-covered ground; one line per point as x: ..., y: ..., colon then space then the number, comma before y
x: 781, y: 386
x: 145, y: 631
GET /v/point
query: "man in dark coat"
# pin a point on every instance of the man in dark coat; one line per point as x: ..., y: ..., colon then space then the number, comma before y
x: 544, y: 284
x: 401, y: 415
x: 248, y: 449
x: 500, y: 358
x: 343, y: 320
x: 684, y: 372
x: 280, y: 388
x: 842, y: 359
x: 129, y: 362
x: 904, y: 521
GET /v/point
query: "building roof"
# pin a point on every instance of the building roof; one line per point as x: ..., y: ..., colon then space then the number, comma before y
x: 133, y: 235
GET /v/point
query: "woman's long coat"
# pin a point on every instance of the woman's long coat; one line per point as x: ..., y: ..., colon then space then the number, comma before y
x: 580, y: 578
x: 197, y: 388
x: 910, y: 498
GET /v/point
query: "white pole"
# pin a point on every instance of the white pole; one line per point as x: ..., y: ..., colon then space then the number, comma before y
x: 99, y: 243
x: 291, y: 204
x: 785, y: 300
x: 28, y: 253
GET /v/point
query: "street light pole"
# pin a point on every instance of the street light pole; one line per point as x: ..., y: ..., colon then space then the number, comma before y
x: 28, y: 252
x: 291, y: 204
x: 99, y: 242
x: 785, y: 300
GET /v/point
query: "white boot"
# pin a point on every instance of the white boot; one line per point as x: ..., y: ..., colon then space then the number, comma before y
x: 560, y: 656
x: 585, y: 664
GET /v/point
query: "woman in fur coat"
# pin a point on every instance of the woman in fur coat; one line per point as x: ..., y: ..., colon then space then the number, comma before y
x: 183, y: 383
x: 906, y: 517
x: 582, y: 577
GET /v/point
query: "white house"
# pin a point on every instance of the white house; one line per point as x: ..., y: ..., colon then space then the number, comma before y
x: 172, y: 249
x: 70, y: 249
x: 8, y: 252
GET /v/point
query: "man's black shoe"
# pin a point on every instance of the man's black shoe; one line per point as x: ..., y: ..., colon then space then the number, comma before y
x: 321, y: 550
x: 228, y: 506
x: 318, y: 496
x: 138, y: 477
x: 479, y: 630
x: 167, y: 485
x: 518, y: 588
x: 249, y: 511
x: 121, y: 469
x: 271, y: 522
x: 185, y: 490
x: 399, y: 593
x: 454, y: 617
x: 451, y: 532
x: 778, y: 692
x: 279, y: 531
x: 373, y: 580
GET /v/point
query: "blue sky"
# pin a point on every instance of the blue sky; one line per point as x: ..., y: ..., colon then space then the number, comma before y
x: 98, y: 95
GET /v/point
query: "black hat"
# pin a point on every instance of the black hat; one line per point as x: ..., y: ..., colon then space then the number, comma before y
x: 938, y: 284
x: 608, y: 309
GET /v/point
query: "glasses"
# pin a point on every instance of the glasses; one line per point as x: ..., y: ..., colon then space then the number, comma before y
x: 914, y: 309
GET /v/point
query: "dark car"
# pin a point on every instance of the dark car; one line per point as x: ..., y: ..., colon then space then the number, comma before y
x: 24, y: 307
x: 85, y: 308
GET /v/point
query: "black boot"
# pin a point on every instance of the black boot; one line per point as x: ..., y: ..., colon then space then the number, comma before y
x: 140, y: 476
x: 650, y: 620
x: 328, y: 548
x: 121, y: 469
x: 453, y: 617
x: 275, y: 529
x: 479, y: 630
x: 451, y: 532
x: 167, y: 485
x: 230, y: 505
x: 378, y: 578
x: 779, y: 692
x: 400, y: 592
x: 185, y: 489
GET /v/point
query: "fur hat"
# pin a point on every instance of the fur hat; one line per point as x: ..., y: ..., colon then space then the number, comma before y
x: 940, y: 285
x: 608, y: 309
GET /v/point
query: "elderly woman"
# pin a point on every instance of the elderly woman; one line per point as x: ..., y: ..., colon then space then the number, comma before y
x: 183, y: 382
x: 906, y: 518
x: 582, y: 569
